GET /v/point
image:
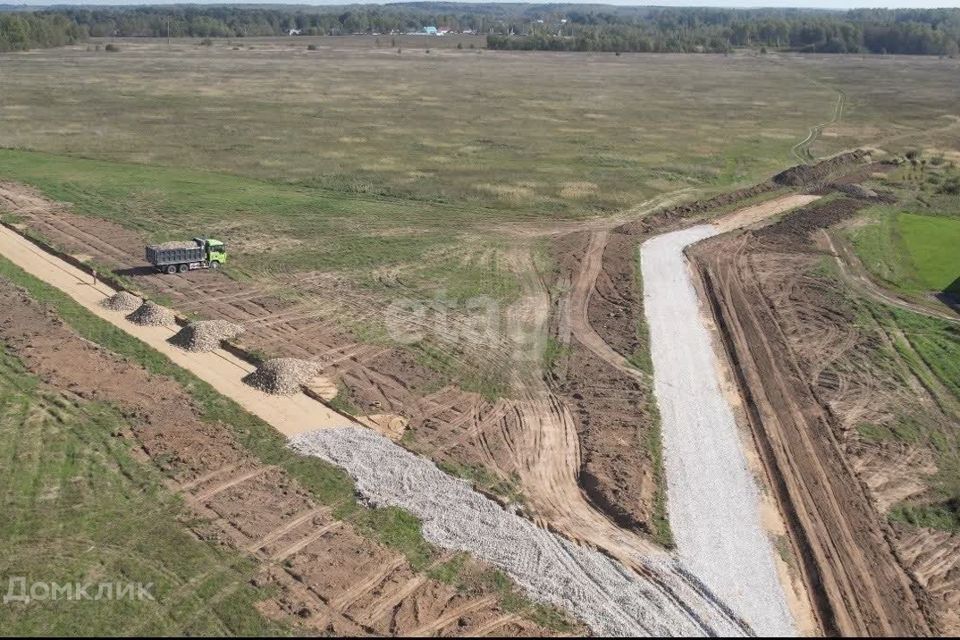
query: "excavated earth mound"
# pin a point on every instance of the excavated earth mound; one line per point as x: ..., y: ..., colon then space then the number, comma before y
x: 206, y: 335
x: 283, y: 376
x: 152, y: 314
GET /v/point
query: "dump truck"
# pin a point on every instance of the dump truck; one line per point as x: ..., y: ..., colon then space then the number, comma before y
x: 199, y: 253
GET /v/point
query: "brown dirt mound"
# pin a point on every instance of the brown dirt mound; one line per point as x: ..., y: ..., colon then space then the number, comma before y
x: 283, y: 376
x: 122, y: 301
x: 206, y: 335
x: 152, y: 314
x: 803, y: 175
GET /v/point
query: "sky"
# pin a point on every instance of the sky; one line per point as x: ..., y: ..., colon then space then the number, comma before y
x: 818, y: 4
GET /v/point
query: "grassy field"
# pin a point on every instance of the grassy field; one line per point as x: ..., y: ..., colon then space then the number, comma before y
x: 429, y: 168
x: 511, y: 131
x: 78, y: 508
x: 913, y: 246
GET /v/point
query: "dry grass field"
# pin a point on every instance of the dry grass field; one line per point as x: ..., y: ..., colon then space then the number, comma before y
x: 410, y: 167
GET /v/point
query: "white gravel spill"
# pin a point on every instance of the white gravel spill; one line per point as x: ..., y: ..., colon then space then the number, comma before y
x: 714, y: 502
x: 601, y: 592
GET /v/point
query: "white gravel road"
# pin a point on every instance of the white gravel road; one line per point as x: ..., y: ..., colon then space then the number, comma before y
x: 712, y: 495
x: 611, y: 599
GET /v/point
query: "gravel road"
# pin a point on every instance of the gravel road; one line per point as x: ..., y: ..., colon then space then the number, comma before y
x: 609, y: 598
x: 713, y: 498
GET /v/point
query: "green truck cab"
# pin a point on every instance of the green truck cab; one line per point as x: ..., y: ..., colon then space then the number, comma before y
x: 199, y: 253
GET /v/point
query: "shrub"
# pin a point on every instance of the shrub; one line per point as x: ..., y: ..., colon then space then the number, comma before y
x: 111, y: 47
x: 311, y: 47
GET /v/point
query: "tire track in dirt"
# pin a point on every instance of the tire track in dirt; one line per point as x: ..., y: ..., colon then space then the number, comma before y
x: 268, y: 509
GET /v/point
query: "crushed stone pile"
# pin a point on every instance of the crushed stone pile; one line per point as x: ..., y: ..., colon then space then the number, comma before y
x: 122, y: 301
x: 610, y: 598
x: 283, y: 376
x: 152, y: 314
x: 206, y: 335
x: 177, y: 244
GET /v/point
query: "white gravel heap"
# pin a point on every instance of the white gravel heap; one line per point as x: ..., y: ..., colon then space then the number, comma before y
x: 206, y: 335
x: 177, y: 244
x: 152, y: 314
x: 122, y: 301
x: 608, y: 597
x: 283, y: 376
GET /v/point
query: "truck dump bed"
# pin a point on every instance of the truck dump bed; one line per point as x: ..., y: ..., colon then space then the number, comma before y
x: 175, y: 253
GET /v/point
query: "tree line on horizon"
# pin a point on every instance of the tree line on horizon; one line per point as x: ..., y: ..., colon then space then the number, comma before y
x: 556, y: 27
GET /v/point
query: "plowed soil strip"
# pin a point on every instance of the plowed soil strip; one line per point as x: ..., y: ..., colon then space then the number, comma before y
x: 289, y: 415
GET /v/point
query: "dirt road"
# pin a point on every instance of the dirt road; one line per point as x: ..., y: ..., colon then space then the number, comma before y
x: 289, y: 415
x: 853, y: 272
x: 323, y: 575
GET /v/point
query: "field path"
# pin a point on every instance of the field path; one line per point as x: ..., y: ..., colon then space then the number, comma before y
x: 801, y: 150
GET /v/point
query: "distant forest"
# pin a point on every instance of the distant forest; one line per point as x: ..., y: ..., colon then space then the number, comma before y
x: 555, y: 27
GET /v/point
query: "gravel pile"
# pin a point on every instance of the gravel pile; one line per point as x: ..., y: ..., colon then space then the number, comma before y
x: 283, y: 376
x: 177, y: 244
x: 596, y: 589
x: 122, y: 301
x: 206, y: 335
x: 152, y: 314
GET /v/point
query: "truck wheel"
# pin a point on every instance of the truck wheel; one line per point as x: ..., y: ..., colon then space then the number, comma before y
x: 214, y: 264
x: 183, y: 268
x: 172, y: 269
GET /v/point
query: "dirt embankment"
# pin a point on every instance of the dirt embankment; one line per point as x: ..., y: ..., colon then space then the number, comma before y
x: 805, y: 175
x: 329, y: 579
x: 767, y: 303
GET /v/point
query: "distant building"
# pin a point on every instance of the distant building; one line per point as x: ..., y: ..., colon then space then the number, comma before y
x: 294, y: 32
x: 430, y: 31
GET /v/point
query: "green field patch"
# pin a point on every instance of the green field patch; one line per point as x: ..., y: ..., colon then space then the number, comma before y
x: 910, y: 252
x: 933, y: 247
